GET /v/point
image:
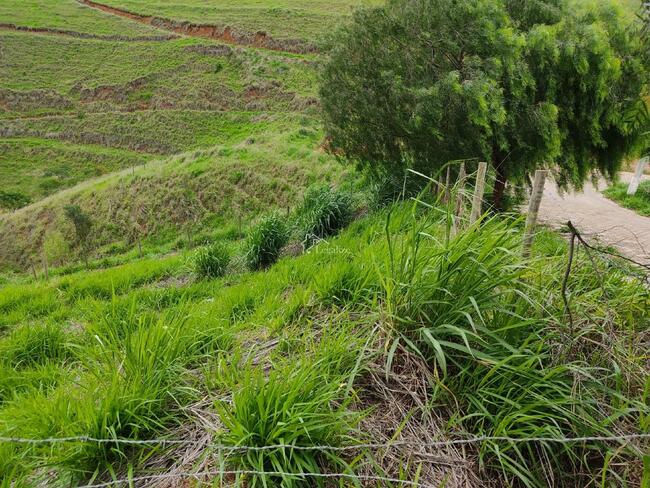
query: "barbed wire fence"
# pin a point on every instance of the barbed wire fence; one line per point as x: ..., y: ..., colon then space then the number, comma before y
x: 211, y: 474
x: 219, y: 474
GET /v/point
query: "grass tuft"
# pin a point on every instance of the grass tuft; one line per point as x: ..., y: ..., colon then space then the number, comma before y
x: 211, y: 261
x: 33, y: 345
x: 297, y: 405
x: 265, y: 242
x: 639, y: 202
x: 323, y: 213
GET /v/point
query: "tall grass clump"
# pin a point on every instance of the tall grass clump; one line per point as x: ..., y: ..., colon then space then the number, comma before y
x: 298, y: 405
x: 266, y: 241
x: 323, y: 212
x: 33, y: 345
x: 211, y: 261
x: 130, y: 387
x: 466, y: 306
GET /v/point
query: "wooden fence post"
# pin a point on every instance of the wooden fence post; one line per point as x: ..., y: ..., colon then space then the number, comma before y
x: 46, y: 265
x: 636, y: 179
x: 533, y: 209
x: 458, y: 207
x: 447, y: 194
x: 477, y: 202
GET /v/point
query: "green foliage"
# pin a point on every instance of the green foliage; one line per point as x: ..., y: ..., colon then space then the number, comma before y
x: 323, y: 212
x: 297, y: 405
x: 81, y: 222
x: 480, y: 318
x: 32, y: 345
x: 265, y: 241
x: 11, y: 200
x: 521, y: 86
x: 639, y: 202
x: 55, y: 247
x: 491, y: 328
x: 212, y: 261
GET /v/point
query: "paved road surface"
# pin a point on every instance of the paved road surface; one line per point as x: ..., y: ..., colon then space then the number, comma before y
x: 597, y: 217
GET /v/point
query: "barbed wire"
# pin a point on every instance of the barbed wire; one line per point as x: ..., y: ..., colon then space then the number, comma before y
x: 450, y: 442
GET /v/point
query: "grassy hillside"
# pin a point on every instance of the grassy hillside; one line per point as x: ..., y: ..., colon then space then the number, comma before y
x: 129, y: 101
x: 227, y: 184
x: 281, y: 19
x: 248, y: 313
x: 38, y: 167
x: 70, y: 15
x: 185, y: 73
x: 298, y: 355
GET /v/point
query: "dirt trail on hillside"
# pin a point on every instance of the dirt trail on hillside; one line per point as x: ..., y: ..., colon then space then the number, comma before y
x: 84, y: 35
x: 209, y: 31
x: 599, y: 218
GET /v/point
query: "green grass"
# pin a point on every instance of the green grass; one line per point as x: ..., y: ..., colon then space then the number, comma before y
x: 388, y: 328
x: 45, y: 74
x: 212, y: 261
x: 154, y: 132
x: 69, y: 15
x: 489, y: 327
x: 226, y: 187
x: 40, y: 167
x: 266, y: 240
x: 639, y: 202
x: 282, y: 19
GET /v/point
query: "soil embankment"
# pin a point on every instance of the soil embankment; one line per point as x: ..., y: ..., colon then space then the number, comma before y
x: 209, y: 31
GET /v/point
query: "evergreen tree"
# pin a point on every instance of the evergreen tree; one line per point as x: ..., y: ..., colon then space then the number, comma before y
x: 524, y: 85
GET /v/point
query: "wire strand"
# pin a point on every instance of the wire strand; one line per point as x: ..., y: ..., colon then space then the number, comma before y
x: 450, y: 442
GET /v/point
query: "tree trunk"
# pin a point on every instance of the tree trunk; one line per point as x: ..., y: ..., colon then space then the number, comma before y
x: 499, y: 184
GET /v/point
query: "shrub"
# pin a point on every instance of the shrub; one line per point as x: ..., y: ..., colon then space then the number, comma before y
x: 12, y: 200
x: 298, y: 405
x: 32, y: 345
x: 211, y: 261
x: 82, y: 227
x: 266, y: 241
x: 323, y: 213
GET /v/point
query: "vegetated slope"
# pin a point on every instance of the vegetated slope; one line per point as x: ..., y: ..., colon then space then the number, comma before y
x: 36, y: 168
x: 639, y: 202
x: 152, y: 131
x: 315, y: 352
x: 279, y: 24
x: 41, y: 74
x: 151, y: 98
x: 71, y: 16
x: 230, y: 183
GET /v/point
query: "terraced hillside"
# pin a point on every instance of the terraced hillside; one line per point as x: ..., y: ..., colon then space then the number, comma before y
x: 195, y: 293
x: 85, y: 92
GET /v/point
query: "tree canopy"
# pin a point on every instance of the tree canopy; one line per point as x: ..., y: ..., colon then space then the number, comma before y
x: 523, y: 85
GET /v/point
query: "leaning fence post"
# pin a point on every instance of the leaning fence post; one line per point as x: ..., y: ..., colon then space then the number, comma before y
x: 477, y: 202
x: 533, y: 209
x: 634, y: 184
x: 458, y: 207
x: 447, y: 194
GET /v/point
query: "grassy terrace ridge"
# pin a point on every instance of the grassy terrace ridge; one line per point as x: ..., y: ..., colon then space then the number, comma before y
x: 70, y: 15
x: 163, y: 132
x: 281, y: 19
x: 639, y: 202
x: 48, y: 75
x: 40, y: 167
